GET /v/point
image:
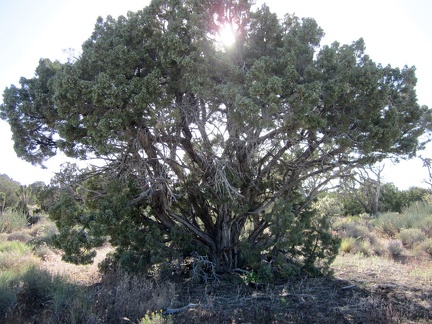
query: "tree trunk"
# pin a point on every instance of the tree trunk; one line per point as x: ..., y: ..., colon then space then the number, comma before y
x: 226, y: 239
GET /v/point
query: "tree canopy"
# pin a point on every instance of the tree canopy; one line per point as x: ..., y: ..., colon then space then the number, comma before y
x: 210, y: 148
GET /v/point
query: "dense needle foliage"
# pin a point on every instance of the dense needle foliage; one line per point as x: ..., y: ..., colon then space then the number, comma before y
x: 209, y: 148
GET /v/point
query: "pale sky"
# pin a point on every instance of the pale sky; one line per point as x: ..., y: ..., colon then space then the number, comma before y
x: 396, y: 32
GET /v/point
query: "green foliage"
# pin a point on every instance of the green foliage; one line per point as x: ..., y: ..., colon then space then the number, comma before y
x: 394, y: 200
x: 329, y: 206
x: 391, y: 199
x: 200, y: 140
x: 8, y: 187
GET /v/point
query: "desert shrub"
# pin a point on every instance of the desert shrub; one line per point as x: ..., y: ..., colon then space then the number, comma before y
x: 394, y: 248
x: 355, y: 230
x: 156, y: 317
x: 416, y: 213
x: 69, y: 302
x: 390, y: 223
x: 21, y: 236
x: 411, y: 237
x: 43, y: 234
x: 377, y: 248
x: 426, y: 226
x: 12, y: 220
x: 35, y: 288
x: 426, y: 246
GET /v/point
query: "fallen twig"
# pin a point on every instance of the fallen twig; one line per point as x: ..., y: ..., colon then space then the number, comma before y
x: 168, y: 310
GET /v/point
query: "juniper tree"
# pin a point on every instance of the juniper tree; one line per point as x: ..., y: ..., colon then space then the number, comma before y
x: 209, y: 148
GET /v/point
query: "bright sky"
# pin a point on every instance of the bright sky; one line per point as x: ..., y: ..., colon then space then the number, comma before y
x: 396, y: 32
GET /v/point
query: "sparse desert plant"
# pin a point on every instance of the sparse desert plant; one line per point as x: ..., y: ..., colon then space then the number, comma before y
x: 426, y: 246
x: 426, y: 226
x: 411, y: 237
x: 356, y: 230
x: 390, y: 223
x: 394, y: 248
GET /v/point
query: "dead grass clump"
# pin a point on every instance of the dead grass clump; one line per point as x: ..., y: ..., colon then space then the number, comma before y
x: 121, y: 295
x: 20, y: 236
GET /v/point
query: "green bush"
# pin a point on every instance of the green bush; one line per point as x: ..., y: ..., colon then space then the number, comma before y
x: 411, y: 237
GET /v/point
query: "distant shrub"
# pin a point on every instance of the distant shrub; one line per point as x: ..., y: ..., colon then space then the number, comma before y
x: 389, y: 223
x: 394, y: 248
x: 355, y: 230
x: 426, y: 246
x: 411, y: 237
x: 426, y: 226
x: 418, y: 216
x: 416, y: 213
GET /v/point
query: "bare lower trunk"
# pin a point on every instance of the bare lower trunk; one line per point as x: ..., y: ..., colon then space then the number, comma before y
x: 224, y: 254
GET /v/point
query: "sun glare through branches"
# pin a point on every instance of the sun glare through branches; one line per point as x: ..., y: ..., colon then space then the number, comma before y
x: 227, y: 34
